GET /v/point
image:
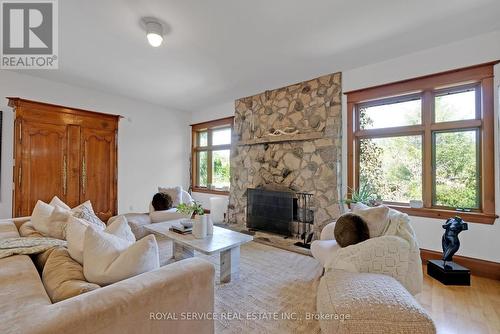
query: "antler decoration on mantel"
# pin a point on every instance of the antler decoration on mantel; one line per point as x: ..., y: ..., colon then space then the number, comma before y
x: 285, y: 131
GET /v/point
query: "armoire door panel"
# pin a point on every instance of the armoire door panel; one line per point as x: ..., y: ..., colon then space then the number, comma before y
x: 43, y: 164
x: 98, y: 171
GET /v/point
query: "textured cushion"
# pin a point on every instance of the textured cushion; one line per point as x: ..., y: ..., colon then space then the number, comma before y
x: 377, y: 218
x: 174, y: 192
x: 167, y: 215
x: 373, y: 303
x: 350, y: 229
x: 108, y: 259
x: 63, y: 277
x: 40, y: 216
x: 86, y: 212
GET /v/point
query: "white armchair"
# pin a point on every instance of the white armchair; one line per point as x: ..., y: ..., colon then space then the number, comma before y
x: 394, y: 253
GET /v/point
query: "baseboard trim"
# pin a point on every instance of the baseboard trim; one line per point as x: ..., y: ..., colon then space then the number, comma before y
x: 477, y: 267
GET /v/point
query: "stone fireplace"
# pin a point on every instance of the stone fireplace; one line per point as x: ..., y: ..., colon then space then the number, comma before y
x: 290, y: 138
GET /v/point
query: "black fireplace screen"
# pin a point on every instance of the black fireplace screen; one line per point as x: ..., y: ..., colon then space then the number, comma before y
x: 271, y: 211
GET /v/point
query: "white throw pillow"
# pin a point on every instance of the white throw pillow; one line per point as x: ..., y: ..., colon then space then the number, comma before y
x: 75, y: 236
x: 166, y: 215
x: 377, y: 218
x: 57, y: 201
x: 40, y: 216
x: 57, y: 223
x: 109, y: 259
x: 85, y: 211
x: 174, y: 192
x: 119, y: 227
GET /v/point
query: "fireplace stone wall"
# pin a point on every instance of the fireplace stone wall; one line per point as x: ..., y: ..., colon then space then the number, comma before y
x: 307, y: 160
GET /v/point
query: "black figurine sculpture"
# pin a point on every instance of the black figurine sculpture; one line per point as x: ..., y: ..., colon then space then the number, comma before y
x: 450, y: 240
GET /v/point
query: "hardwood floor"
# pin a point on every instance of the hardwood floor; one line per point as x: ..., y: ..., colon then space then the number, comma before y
x: 471, y: 309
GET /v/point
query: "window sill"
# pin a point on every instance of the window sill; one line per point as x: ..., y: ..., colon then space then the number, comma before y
x: 210, y: 191
x: 469, y: 217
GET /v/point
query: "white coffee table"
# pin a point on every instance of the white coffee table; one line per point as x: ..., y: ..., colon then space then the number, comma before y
x: 223, y: 241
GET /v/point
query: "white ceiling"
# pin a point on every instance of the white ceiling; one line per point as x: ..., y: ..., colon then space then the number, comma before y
x: 220, y: 50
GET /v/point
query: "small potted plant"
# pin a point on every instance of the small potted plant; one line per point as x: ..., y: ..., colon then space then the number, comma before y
x: 201, y: 224
x: 364, y: 194
x: 194, y: 209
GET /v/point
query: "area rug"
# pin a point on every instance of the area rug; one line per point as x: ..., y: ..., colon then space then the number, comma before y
x: 275, y: 292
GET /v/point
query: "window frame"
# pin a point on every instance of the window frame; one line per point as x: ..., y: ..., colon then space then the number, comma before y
x: 481, y: 78
x: 209, y: 127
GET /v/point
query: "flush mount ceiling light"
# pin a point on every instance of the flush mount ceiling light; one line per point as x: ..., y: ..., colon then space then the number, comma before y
x: 154, y: 31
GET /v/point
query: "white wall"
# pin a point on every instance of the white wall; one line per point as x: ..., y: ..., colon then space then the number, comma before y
x: 480, y: 241
x: 152, y: 140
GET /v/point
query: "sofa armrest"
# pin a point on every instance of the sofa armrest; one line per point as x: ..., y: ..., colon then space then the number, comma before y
x: 17, y: 221
x: 136, y: 221
x: 327, y: 232
x: 146, y: 303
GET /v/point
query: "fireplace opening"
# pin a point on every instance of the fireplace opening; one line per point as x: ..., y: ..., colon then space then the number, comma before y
x: 287, y: 213
x: 272, y: 211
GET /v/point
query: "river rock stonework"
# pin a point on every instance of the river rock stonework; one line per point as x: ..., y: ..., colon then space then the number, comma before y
x: 313, y: 109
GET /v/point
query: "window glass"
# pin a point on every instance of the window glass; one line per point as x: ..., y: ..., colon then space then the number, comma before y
x: 390, y: 115
x: 455, y: 106
x: 202, y: 138
x: 220, y: 169
x: 221, y: 136
x: 202, y: 169
x: 392, y: 167
x: 456, y: 169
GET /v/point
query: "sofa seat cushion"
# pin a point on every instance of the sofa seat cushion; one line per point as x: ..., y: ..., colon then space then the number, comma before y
x: 369, y: 303
x: 63, y: 277
x: 8, y: 229
x: 22, y: 291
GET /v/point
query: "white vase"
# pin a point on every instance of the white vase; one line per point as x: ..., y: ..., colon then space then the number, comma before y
x: 200, y: 227
x: 210, y: 224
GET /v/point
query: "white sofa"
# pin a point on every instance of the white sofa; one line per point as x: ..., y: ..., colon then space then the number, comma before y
x: 129, y: 306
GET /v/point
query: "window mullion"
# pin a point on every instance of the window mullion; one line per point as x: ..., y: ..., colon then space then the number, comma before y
x: 209, y: 158
x: 427, y: 165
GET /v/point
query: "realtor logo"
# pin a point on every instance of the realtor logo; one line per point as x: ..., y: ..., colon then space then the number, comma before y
x: 29, y: 34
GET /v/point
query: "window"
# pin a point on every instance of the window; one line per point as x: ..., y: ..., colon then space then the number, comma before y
x: 210, y: 155
x: 428, y: 139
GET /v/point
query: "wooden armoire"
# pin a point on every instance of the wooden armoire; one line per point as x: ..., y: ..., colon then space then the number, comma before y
x: 65, y: 152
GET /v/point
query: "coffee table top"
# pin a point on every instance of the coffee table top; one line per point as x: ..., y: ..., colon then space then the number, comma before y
x: 222, y: 239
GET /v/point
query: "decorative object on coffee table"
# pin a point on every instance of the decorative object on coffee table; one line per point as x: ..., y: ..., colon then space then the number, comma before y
x: 445, y: 270
x: 200, y: 219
